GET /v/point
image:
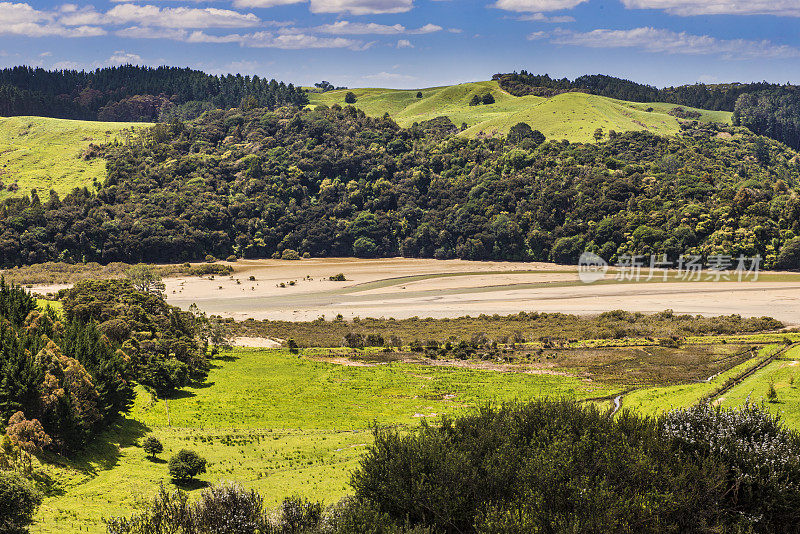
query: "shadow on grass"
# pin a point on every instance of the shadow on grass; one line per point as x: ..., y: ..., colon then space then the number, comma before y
x: 156, y: 460
x: 190, y: 485
x: 103, y: 451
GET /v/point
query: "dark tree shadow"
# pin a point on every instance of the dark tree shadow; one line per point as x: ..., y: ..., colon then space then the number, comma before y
x: 192, y: 484
x: 103, y: 451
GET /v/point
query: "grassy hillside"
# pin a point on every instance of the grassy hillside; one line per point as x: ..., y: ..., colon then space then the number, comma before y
x: 276, y: 423
x: 572, y: 116
x: 44, y: 153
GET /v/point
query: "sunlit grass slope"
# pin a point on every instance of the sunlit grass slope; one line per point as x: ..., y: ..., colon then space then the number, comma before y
x: 278, y: 423
x: 572, y: 116
x: 45, y: 153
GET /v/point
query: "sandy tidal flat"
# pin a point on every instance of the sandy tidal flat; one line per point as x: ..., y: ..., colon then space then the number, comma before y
x: 401, y: 288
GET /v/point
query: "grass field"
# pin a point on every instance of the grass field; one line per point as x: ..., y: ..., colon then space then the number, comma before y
x: 43, y: 153
x: 784, y: 373
x: 572, y: 116
x: 276, y: 422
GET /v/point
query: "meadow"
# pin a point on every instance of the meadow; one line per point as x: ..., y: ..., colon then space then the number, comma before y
x: 279, y: 423
x: 43, y: 153
x: 571, y: 116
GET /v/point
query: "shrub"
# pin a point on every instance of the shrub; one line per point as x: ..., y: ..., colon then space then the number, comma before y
x: 299, y: 515
x: 229, y: 509
x: 337, y: 278
x: 419, y: 94
x: 186, y: 465
x: 290, y: 254
x: 350, y: 98
x: 487, y: 99
x: 18, y: 502
x: 557, y: 466
x: 231, y: 258
x: 152, y: 446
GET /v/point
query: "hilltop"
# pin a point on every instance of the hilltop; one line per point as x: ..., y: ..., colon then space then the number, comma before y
x: 573, y: 116
x: 43, y: 153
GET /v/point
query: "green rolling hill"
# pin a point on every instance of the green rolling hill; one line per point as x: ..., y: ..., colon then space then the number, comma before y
x: 571, y: 116
x: 43, y: 153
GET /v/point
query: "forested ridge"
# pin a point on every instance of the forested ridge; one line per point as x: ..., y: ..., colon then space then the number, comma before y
x: 768, y: 109
x: 134, y: 93
x: 333, y: 182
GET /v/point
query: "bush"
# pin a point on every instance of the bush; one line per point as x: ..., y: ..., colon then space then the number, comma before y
x: 232, y: 258
x: 337, y: 278
x: 186, y: 465
x: 487, y: 99
x: 419, y: 94
x: 290, y: 254
x: 350, y: 98
x: 152, y: 446
x: 18, y: 502
x: 229, y: 509
x: 561, y: 467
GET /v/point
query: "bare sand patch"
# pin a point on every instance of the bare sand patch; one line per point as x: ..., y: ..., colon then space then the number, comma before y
x: 257, y: 342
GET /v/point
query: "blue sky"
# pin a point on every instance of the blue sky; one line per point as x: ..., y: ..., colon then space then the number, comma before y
x: 415, y: 43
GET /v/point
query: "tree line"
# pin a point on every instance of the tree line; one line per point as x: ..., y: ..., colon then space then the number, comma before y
x: 135, y: 93
x: 334, y: 182
x: 64, y: 377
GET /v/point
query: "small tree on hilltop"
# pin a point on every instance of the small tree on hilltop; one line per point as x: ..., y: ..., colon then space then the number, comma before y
x: 350, y: 98
x: 152, y: 446
x: 487, y: 99
x: 419, y: 94
x: 186, y: 465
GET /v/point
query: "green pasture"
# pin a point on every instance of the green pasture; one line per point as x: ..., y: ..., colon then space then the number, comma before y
x: 278, y: 423
x: 571, y: 116
x: 44, y: 153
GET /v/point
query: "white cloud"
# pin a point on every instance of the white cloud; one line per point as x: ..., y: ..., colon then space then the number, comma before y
x: 179, y: 17
x: 120, y: 57
x: 789, y: 8
x: 541, y: 17
x: 536, y: 6
x: 139, y: 32
x: 24, y: 20
x: 344, y: 27
x: 404, y: 43
x: 354, y: 7
x: 361, y: 7
x: 669, y: 42
x: 535, y: 36
x: 286, y: 41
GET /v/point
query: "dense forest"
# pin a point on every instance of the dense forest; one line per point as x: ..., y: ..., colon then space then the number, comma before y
x: 63, y: 378
x: 133, y: 93
x: 333, y: 182
x: 767, y: 109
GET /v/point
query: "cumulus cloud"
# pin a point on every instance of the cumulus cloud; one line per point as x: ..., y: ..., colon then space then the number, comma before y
x: 286, y: 40
x: 536, y: 6
x: 344, y: 27
x: 404, y: 43
x: 541, y: 17
x: 670, y: 42
x: 24, y: 20
x: 354, y: 7
x: 389, y: 76
x: 121, y: 57
x: 149, y: 15
x: 789, y: 8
